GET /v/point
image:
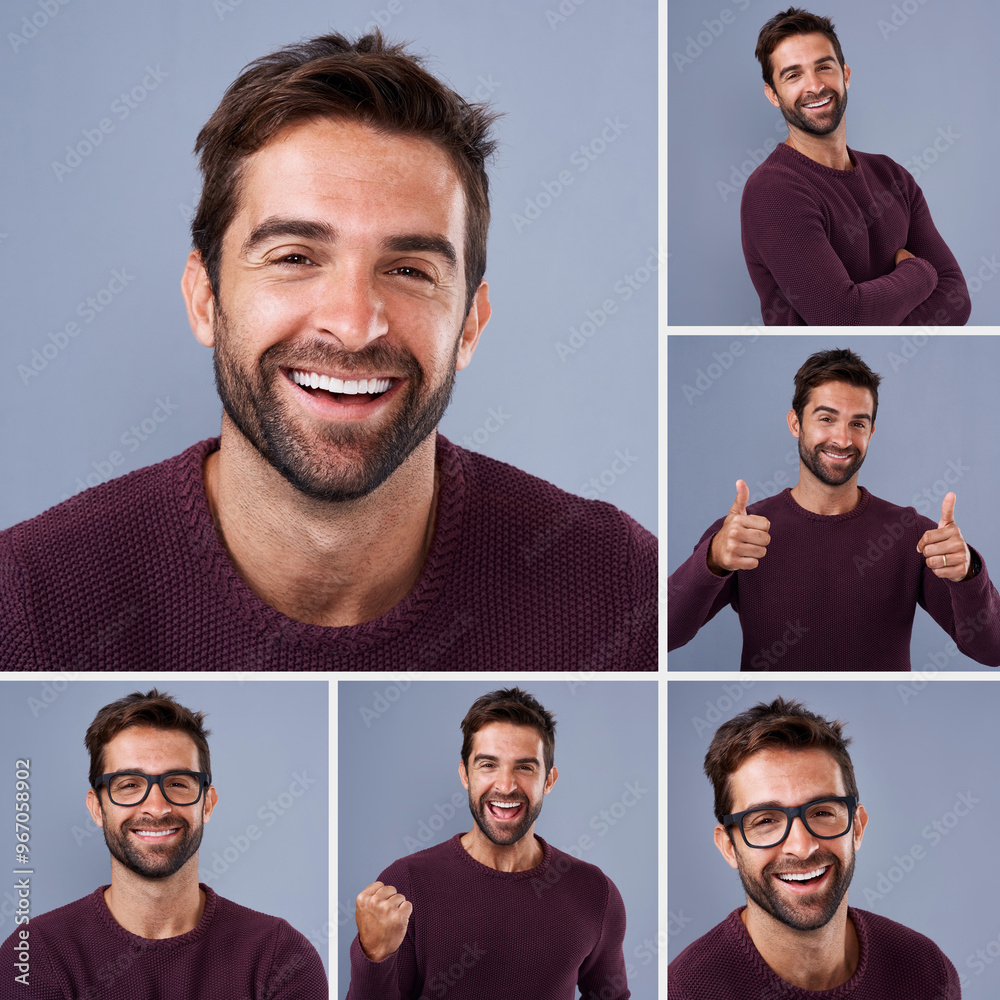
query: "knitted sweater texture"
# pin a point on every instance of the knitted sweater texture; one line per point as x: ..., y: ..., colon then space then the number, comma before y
x: 133, y: 575
x: 478, y: 933
x: 894, y: 963
x: 80, y: 952
x: 834, y: 592
x: 820, y: 245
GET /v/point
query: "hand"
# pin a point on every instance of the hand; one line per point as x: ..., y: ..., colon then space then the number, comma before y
x: 742, y: 540
x: 903, y: 254
x: 382, y: 915
x: 943, y: 548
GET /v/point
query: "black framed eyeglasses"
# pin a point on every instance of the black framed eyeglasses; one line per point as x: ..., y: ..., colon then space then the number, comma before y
x: 130, y: 788
x: 825, y: 819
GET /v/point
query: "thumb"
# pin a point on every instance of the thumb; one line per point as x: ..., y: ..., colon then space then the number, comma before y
x: 742, y: 496
x: 947, y: 510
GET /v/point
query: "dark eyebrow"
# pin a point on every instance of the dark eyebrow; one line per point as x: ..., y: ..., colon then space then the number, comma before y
x: 496, y: 760
x: 836, y: 413
x: 798, y: 66
x: 275, y: 226
x: 778, y: 805
x: 423, y: 243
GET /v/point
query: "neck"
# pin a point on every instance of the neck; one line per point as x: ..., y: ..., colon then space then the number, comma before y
x: 813, y: 495
x: 333, y: 564
x: 820, y: 959
x: 155, y: 908
x: 829, y: 150
x: 526, y: 853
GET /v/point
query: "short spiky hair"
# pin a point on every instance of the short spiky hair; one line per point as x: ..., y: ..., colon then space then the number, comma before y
x: 785, y: 725
x: 837, y: 365
x: 510, y: 705
x: 794, y: 21
x: 368, y: 81
x: 151, y: 709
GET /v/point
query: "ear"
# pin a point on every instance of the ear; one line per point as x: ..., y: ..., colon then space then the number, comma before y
x: 860, y: 822
x: 793, y: 423
x: 94, y: 807
x: 478, y: 317
x: 197, y: 292
x: 771, y: 95
x: 847, y: 76
x: 725, y: 845
x: 463, y: 775
x: 211, y: 797
x: 550, y: 779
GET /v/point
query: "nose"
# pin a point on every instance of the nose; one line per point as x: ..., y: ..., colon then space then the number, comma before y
x: 505, y: 783
x: 351, y: 308
x: 156, y: 802
x: 840, y: 436
x: 800, y: 841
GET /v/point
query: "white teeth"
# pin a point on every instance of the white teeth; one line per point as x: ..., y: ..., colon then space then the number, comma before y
x: 505, y: 805
x: 818, y: 104
x: 349, y: 387
x: 155, y: 833
x: 791, y: 877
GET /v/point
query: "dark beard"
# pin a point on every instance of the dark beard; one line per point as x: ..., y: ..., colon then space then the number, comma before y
x: 805, y: 917
x: 815, y: 126
x: 813, y: 463
x: 251, y: 402
x: 171, y: 859
x: 512, y: 835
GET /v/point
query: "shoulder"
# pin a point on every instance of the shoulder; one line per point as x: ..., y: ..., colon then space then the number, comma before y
x: 428, y: 861
x: 779, y: 177
x: 886, y: 171
x: 711, y: 956
x: 64, y: 921
x: 905, y: 517
x: 888, y: 942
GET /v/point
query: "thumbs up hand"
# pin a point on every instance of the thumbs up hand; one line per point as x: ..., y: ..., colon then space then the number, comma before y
x: 943, y: 548
x: 742, y: 540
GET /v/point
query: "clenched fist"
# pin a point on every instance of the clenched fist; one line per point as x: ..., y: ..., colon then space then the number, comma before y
x: 382, y: 915
x: 742, y: 540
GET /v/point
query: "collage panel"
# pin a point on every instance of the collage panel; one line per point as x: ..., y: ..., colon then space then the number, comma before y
x: 920, y: 888
x: 207, y: 804
x: 464, y: 913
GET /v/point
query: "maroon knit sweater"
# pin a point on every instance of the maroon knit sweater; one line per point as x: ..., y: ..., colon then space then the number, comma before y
x: 80, y: 952
x: 480, y: 934
x: 820, y: 245
x: 894, y: 963
x: 520, y: 575
x: 834, y: 592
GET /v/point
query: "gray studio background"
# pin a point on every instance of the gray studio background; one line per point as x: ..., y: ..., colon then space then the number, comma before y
x: 410, y: 741
x: 264, y: 735
x: 917, y: 746
x: 126, y: 207
x: 911, y: 82
x: 934, y: 409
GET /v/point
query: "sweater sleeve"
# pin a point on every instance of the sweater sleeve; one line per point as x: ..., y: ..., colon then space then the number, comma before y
x: 297, y: 971
x: 695, y: 595
x: 949, y: 304
x: 38, y: 981
x: 643, y: 598
x: 603, y: 972
x: 16, y: 643
x: 787, y: 232
x: 969, y: 611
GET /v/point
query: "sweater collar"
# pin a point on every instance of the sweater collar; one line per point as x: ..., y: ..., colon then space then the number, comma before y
x: 104, y: 916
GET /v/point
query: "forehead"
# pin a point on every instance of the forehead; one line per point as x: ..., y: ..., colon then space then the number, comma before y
x: 787, y: 777
x: 505, y: 739
x: 152, y: 750
x: 801, y: 50
x: 841, y: 396
x: 346, y: 174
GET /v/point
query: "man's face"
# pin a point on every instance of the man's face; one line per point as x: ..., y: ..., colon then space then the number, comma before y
x: 506, y: 780
x: 154, y: 839
x: 834, y: 432
x: 341, y: 317
x: 810, y: 88
x: 791, y: 778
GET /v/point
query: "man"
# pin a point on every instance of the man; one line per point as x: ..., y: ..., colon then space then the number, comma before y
x: 338, y: 276
x: 515, y: 915
x: 790, y: 821
x: 832, y: 235
x: 155, y: 927
x: 826, y: 576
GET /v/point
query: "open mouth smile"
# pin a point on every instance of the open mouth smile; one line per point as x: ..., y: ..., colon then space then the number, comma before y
x: 504, y: 811
x: 804, y: 882
x: 152, y: 836
x: 372, y: 387
x: 818, y: 105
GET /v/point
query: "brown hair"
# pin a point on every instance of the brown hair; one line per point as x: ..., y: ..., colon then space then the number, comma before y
x: 837, y: 365
x: 152, y: 709
x: 510, y: 705
x: 783, y: 724
x: 368, y: 81
x: 794, y: 21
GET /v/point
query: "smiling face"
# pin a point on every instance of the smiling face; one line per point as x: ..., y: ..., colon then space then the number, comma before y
x: 773, y: 877
x: 834, y: 432
x: 156, y: 838
x: 342, y: 317
x: 506, y: 781
x: 809, y: 88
